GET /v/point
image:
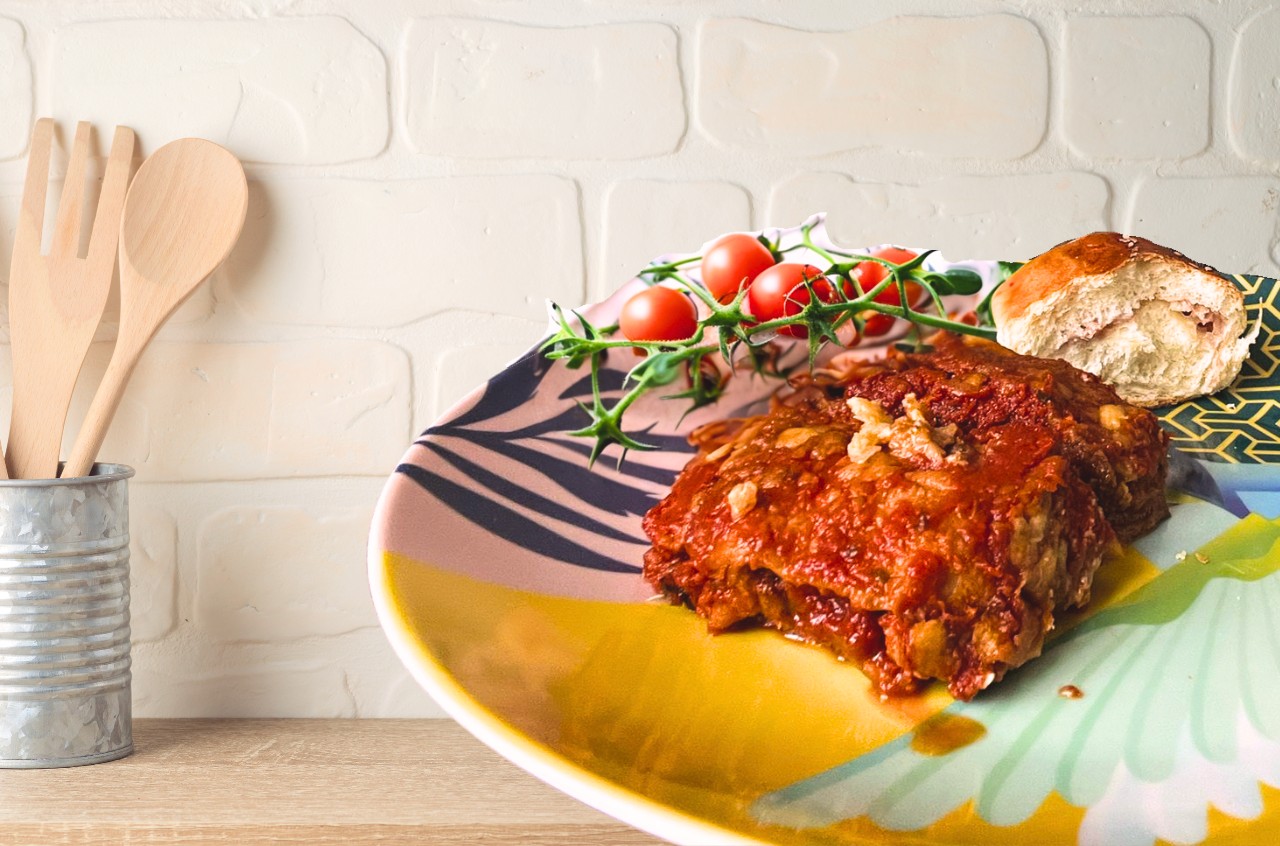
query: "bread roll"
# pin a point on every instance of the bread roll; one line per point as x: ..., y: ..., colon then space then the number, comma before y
x: 1157, y: 326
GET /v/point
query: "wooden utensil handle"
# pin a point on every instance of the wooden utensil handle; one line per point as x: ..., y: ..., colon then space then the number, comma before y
x: 101, y: 411
x: 36, y: 436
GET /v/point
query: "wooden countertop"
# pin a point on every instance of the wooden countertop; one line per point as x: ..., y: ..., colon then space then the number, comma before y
x: 301, y: 782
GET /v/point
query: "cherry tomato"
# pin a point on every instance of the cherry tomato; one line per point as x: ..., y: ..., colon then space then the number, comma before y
x: 877, y: 324
x: 658, y: 314
x: 732, y: 262
x: 871, y: 274
x: 780, y: 292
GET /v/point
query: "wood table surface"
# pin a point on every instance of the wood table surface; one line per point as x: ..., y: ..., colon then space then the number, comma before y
x: 299, y: 781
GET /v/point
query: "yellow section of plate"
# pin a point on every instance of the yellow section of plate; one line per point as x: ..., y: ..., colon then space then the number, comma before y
x: 641, y: 697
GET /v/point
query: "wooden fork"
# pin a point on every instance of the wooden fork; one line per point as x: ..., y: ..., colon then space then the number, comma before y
x: 56, y: 301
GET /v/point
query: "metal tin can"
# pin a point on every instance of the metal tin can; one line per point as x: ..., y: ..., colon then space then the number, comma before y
x: 64, y: 620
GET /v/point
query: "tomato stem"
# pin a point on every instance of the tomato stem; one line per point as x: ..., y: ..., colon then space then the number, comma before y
x: 668, y: 267
x: 819, y: 315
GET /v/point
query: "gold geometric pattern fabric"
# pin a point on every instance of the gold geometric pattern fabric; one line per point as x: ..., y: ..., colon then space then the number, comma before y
x: 1240, y: 424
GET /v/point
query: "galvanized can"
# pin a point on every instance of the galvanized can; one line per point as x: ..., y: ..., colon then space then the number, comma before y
x: 64, y: 620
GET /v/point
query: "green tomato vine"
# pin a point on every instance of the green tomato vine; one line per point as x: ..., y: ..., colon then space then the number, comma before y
x: 727, y: 330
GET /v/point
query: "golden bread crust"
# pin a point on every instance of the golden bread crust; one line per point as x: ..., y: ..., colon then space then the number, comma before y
x: 1091, y: 255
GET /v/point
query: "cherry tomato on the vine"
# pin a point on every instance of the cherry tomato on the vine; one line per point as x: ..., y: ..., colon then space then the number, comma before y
x: 732, y: 262
x: 658, y: 314
x: 780, y: 292
x: 877, y: 324
x: 871, y: 274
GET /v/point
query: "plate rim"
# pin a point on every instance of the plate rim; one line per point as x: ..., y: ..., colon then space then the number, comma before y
x: 594, y: 790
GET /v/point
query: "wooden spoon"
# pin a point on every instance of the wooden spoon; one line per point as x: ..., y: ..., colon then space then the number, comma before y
x: 183, y: 214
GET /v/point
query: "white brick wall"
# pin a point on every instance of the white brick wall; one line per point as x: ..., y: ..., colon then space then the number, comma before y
x: 424, y: 174
x: 482, y: 89
x: 977, y: 88
x: 284, y: 90
x: 1147, y: 82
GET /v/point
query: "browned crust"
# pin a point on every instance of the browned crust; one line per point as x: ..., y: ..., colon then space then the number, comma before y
x: 1092, y: 255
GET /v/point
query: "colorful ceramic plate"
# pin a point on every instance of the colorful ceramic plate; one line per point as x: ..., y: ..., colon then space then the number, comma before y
x: 506, y: 574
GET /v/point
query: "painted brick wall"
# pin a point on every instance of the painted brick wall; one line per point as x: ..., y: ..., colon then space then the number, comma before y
x: 423, y: 174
